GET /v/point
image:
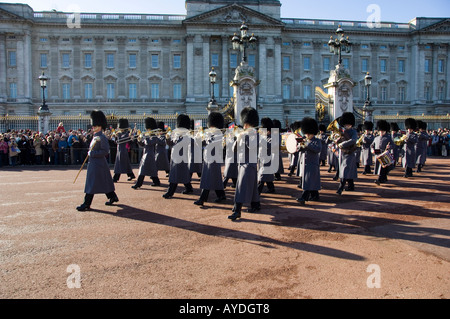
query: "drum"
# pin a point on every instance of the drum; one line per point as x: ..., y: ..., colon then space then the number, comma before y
x: 386, y: 159
x: 291, y: 143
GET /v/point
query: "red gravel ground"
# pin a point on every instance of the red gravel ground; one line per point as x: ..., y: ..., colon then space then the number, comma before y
x: 149, y: 247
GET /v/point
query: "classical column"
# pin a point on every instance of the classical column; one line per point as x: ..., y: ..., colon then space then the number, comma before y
x: 225, y: 80
x: 278, y: 71
x: 165, y: 72
x: 434, y: 71
x: 262, y: 41
x: 206, y: 65
x: 76, y: 83
x: 3, y: 63
x: 393, y: 69
x: 53, y: 89
x: 99, y: 67
x: 190, y: 65
x: 143, y: 68
x: 122, y: 60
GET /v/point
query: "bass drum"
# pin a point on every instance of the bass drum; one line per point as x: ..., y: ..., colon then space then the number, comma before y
x: 283, y: 142
x: 291, y: 143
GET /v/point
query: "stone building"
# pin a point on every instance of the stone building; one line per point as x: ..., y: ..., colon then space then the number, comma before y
x: 159, y: 64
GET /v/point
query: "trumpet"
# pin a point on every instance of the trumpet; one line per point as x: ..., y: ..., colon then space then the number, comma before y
x: 360, y: 140
x: 399, y: 141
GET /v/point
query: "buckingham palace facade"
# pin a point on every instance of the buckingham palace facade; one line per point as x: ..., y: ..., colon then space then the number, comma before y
x: 159, y: 64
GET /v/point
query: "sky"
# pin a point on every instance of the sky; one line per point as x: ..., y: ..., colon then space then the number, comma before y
x: 401, y: 11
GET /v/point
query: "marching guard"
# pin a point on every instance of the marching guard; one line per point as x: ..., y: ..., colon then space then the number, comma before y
x: 231, y: 166
x: 382, y: 143
x: 395, y: 134
x: 366, y: 153
x: 98, y: 178
x: 247, y: 147
x: 161, y: 154
x: 422, y: 145
x: 409, y: 148
x: 347, y: 159
x: 309, y: 160
x: 179, y: 169
x: 323, y: 138
x: 277, y: 125
x: 147, y: 166
x: 211, y: 175
x: 123, y: 163
x: 263, y: 159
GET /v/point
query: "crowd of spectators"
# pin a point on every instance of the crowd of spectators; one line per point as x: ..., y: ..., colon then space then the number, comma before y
x: 61, y: 147
x: 58, y: 147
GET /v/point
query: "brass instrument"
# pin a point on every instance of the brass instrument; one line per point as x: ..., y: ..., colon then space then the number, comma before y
x: 360, y: 140
x: 335, y: 128
x: 399, y: 141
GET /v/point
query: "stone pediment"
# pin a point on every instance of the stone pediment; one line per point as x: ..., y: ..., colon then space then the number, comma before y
x: 440, y: 27
x: 6, y: 15
x: 232, y: 15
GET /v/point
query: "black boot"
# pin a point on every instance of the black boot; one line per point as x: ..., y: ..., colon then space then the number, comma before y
x: 351, y: 186
x: 139, y: 182
x: 220, y: 196
x: 304, y: 198
x: 260, y: 187
x: 225, y: 182
x: 116, y: 178
x: 234, y: 180
x: 131, y: 176
x: 112, y: 199
x: 156, y: 181
x: 314, y: 197
x: 254, y: 207
x: 271, y: 187
x: 87, y: 203
x: 236, y: 212
x: 277, y: 177
x: 341, y: 187
x: 188, y: 189
x: 170, y: 191
x: 203, y: 198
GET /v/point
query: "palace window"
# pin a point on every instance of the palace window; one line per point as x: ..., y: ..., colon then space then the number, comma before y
x: 132, y: 60
x: 177, y: 91
x: 155, y: 61
x: 306, y: 63
x: 110, y: 60
x: 177, y: 61
x: 155, y: 91
x: 110, y: 91
x: 43, y: 60
x: 88, y: 91
x: 12, y: 58
x: 13, y: 90
x: 132, y: 91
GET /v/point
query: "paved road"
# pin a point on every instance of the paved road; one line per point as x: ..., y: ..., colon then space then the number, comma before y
x: 378, y: 242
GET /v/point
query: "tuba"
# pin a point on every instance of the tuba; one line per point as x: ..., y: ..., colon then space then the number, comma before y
x: 335, y: 130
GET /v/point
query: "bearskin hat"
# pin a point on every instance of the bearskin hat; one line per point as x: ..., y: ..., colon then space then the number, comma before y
x: 123, y: 124
x: 183, y: 121
x: 276, y: 124
x: 267, y: 123
x: 383, y: 125
x: 98, y: 118
x: 160, y: 125
x: 310, y: 126
x: 215, y: 119
x: 360, y: 128
x: 395, y: 127
x: 322, y: 128
x: 347, y: 119
x: 150, y: 123
x: 421, y: 125
x: 368, y: 126
x: 250, y: 116
x: 410, y: 123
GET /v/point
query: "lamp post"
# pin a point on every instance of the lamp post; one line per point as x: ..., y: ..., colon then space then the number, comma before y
x: 43, y: 83
x: 44, y: 112
x: 244, y: 42
x: 212, y: 80
x: 367, y: 108
x: 340, y: 45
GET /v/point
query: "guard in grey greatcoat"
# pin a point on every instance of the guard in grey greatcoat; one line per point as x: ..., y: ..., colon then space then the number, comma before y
x: 277, y: 125
x: 180, y: 141
x: 123, y: 163
x: 366, y: 154
x: 211, y: 176
x: 347, y: 159
x: 265, y: 173
x: 147, y: 166
x: 293, y: 158
x: 332, y: 157
x: 231, y: 167
x: 161, y: 154
x: 247, y: 148
x: 195, y: 154
x: 380, y: 144
x: 310, y: 161
x: 323, y: 138
x: 422, y: 145
x: 359, y: 132
x: 98, y: 178
x: 409, y: 148
x: 395, y: 133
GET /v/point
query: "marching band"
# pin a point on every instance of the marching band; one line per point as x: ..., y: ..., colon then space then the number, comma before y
x: 246, y: 156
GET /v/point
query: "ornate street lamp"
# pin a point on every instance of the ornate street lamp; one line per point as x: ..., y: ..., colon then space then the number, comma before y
x: 43, y: 83
x: 367, y: 108
x: 244, y: 42
x: 340, y: 45
x: 212, y: 79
